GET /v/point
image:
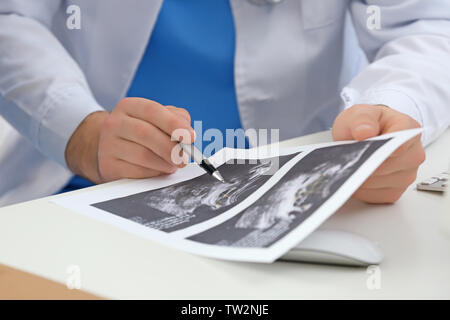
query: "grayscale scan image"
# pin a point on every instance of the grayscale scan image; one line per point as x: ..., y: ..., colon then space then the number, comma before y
x: 301, y: 191
x: 193, y: 201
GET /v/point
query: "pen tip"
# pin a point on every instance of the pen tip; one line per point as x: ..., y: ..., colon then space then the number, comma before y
x: 218, y: 176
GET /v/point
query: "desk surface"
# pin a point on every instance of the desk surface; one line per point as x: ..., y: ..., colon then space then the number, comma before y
x: 44, y: 239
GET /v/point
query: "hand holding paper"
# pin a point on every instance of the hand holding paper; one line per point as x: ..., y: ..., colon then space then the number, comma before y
x: 254, y: 216
x: 391, y: 179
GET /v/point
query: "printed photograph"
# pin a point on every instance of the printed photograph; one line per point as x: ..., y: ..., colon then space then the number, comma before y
x: 193, y: 201
x: 301, y: 191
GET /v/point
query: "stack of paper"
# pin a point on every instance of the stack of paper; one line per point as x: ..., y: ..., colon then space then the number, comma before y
x: 268, y: 204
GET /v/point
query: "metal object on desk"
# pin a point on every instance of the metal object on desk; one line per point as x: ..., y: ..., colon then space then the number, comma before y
x: 446, y: 212
x: 435, y: 183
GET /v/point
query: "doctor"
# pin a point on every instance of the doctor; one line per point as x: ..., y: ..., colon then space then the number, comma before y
x: 250, y: 63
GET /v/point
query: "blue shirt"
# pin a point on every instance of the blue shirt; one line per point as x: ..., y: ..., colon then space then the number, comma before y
x: 189, y: 63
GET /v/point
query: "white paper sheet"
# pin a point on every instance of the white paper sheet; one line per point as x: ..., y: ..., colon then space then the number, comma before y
x: 254, y: 216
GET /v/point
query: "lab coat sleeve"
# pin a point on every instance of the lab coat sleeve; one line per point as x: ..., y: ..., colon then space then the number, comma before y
x: 409, y: 57
x: 43, y: 92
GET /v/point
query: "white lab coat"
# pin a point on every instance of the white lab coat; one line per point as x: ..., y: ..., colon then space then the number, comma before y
x: 292, y: 60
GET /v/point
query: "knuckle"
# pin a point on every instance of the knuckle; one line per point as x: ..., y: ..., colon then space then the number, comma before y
x: 174, y: 123
x: 172, y: 108
x: 123, y: 104
x: 141, y: 131
x: 186, y: 113
x: 125, y: 101
x: 151, y: 106
x: 111, y: 122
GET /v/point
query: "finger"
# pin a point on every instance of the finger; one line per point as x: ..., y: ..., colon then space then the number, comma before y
x: 181, y: 112
x: 180, y: 157
x: 149, y: 136
x: 121, y: 169
x: 139, y: 155
x: 395, y: 121
x: 161, y: 117
x: 407, y: 146
x: 378, y: 196
x: 408, y: 160
x: 399, y: 179
x: 185, y: 114
x: 402, y: 122
x: 359, y: 122
x: 132, y: 171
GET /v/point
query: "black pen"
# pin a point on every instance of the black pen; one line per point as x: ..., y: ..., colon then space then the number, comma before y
x: 198, y: 158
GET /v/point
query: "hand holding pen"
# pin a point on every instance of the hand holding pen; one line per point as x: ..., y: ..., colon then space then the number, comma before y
x: 203, y: 162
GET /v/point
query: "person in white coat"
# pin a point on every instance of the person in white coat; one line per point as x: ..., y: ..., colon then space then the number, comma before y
x: 63, y: 89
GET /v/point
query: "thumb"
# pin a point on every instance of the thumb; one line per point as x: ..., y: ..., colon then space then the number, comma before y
x: 357, y: 123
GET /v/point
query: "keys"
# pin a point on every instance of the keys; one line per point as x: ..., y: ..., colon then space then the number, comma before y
x: 435, y: 183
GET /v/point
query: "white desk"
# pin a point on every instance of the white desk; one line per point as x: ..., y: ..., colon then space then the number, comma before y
x: 44, y: 239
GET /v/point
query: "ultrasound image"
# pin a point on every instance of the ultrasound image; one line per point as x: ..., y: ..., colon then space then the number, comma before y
x: 193, y: 201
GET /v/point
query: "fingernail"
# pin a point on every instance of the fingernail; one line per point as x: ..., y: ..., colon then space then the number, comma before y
x: 364, y: 126
x: 173, y: 169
